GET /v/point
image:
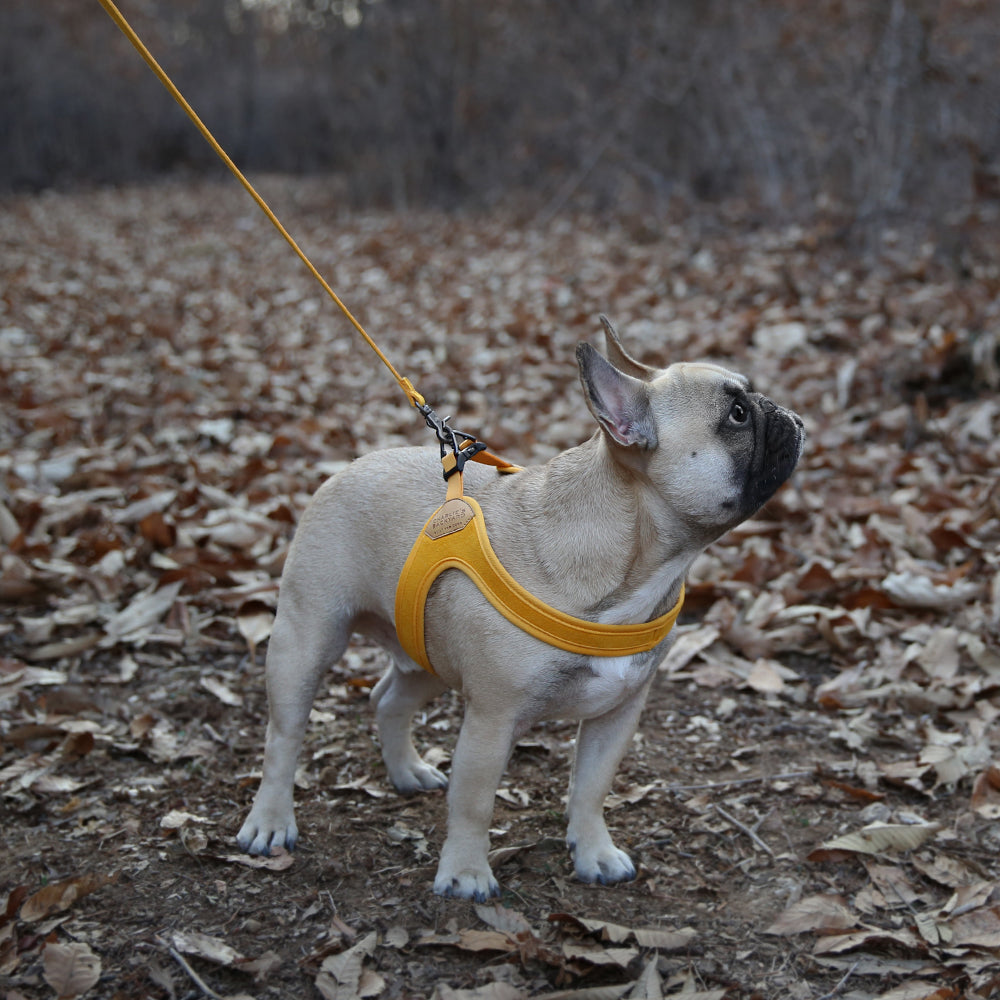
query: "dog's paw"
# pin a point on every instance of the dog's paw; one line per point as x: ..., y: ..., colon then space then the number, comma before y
x: 605, y: 866
x: 477, y: 885
x: 418, y: 777
x: 261, y: 832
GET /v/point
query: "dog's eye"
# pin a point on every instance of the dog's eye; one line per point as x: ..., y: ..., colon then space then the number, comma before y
x: 739, y: 413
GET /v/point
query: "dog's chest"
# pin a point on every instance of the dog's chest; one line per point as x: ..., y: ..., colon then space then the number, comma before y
x: 601, y: 683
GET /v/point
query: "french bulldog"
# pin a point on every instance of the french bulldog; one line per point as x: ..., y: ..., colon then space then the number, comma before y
x: 605, y: 531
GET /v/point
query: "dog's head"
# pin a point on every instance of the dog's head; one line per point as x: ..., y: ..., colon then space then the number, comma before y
x: 713, y: 450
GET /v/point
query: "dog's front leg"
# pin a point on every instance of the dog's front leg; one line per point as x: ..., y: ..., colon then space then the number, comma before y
x: 601, y: 744
x: 483, y: 748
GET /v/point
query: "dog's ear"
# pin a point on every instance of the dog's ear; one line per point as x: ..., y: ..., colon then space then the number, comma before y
x: 620, y: 358
x: 619, y: 402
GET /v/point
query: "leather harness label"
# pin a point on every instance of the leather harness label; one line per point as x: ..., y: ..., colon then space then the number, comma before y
x: 452, y: 516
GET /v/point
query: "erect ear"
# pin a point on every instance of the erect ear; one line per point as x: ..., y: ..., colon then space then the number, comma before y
x: 618, y: 401
x: 620, y: 358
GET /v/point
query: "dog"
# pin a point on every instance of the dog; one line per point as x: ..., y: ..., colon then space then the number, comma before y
x: 605, y: 531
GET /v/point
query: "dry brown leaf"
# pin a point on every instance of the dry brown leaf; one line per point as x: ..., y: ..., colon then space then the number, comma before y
x: 205, y: 946
x: 945, y: 870
x: 278, y: 861
x: 177, y: 818
x: 339, y: 977
x: 908, y: 590
x: 836, y: 943
x: 979, y: 928
x: 687, y: 646
x: 60, y: 896
x: 970, y: 897
x: 822, y: 912
x: 255, y: 620
x: 500, y: 918
x: 765, y: 678
x: 893, y: 884
x: 221, y: 691
x: 262, y: 966
x: 630, y: 796
x: 499, y: 991
x: 475, y: 940
x: 134, y: 622
x: 986, y: 793
x: 70, y: 969
x: 620, y: 957
x: 663, y: 939
x: 918, y: 989
x: 877, y: 839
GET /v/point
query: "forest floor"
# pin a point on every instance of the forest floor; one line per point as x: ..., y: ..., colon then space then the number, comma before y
x: 813, y: 797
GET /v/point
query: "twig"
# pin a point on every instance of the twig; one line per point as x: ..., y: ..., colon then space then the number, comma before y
x: 199, y: 982
x: 739, y: 781
x: 847, y: 975
x: 744, y: 828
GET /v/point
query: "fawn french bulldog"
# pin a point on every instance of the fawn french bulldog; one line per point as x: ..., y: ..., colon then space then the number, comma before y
x: 604, y: 531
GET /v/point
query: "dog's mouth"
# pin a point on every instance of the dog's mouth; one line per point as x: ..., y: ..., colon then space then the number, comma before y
x: 779, y: 437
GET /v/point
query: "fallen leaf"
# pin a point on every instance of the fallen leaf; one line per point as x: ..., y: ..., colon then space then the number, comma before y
x: 620, y: 957
x: 878, y: 838
x: 908, y: 590
x: 70, y: 969
x: 764, y: 678
x: 223, y: 693
x: 494, y: 991
x: 822, y: 912
x: 501, y: 918
x: 986, y: 793
x: 135, y: 621
x: 262, y: 966
x: 339, y: 977
x: 979, y: 928
x: 664, y: 939
x: 60, y: 896
x: 918, y: 989
x: 687, y: 646
x: 649, y: 985
x: 835, y: 943
x: 255, y: 619
x: 279, y: 860
x: 177, y: 818
x: 205, y: 946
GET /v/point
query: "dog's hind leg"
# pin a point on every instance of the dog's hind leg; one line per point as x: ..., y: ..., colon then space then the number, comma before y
x: 397, y: 697
x: 305, y: 641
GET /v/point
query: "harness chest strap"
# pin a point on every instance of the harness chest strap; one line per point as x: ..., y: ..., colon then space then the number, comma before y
x: 455, y: 537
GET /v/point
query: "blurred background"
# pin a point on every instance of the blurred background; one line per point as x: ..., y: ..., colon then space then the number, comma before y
x: 864, y: 109
x: 806, y: 191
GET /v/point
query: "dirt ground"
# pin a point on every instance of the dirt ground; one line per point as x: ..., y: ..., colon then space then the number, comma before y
x: 367, y: 857
x: 171, y: 396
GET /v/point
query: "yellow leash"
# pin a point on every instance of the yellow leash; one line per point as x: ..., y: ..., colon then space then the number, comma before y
x: 116, y: 15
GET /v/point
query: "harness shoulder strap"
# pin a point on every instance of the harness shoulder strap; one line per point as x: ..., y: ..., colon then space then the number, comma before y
x: 455, y: 537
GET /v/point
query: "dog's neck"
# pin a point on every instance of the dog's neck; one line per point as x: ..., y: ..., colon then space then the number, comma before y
x: 622, y: 567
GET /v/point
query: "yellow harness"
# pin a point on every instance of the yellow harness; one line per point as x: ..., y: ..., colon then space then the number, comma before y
x: 455, y: 537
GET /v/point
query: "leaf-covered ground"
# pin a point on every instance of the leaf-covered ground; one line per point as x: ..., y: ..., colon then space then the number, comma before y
x: 814, y: 794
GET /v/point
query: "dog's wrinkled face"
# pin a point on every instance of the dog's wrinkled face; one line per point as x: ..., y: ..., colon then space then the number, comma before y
x: 714, y: 451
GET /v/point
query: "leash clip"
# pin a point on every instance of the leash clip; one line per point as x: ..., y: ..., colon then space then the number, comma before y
x: 462, y: 446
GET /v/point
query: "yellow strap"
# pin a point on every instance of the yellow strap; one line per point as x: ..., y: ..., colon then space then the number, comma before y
x: 455, y: 537
x: 126, y: 29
